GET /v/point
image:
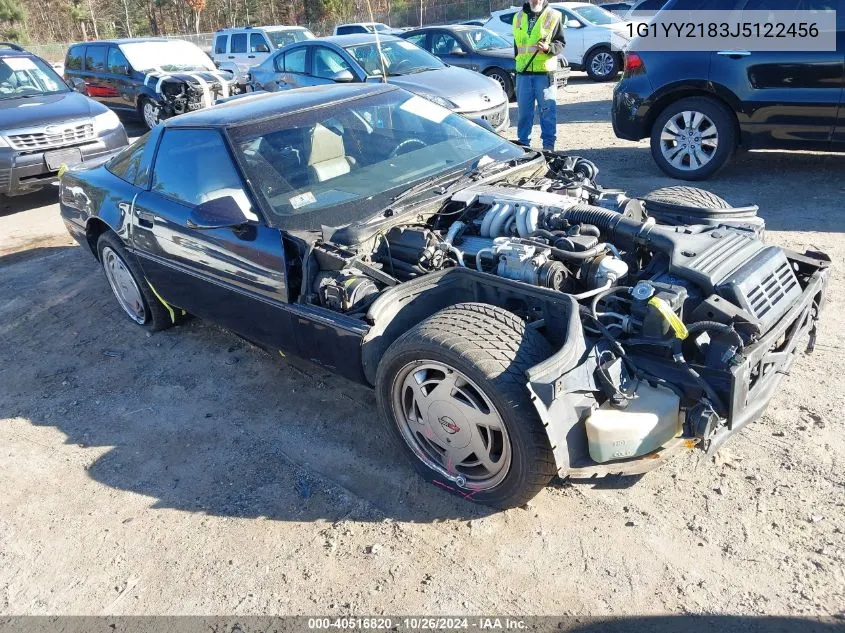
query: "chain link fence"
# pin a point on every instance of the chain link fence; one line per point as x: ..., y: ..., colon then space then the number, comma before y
x: 413, y: 16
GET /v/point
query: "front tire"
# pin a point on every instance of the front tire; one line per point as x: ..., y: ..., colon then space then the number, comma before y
x: 693, y: 138
x: 504, y: 80
x: 452, y: 392
x: 602, y: 64
x: 150, y: 112
x: 130, y: 287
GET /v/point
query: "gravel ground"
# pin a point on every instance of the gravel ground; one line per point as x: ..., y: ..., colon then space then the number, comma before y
x: 188, y: 472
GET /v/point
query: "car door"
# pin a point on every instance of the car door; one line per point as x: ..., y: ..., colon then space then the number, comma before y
x: 259, y: 48
x: 238, y: 51
x: 221, y: 49
x: 580, y: 35
x: 95, y: 83
x: 838, y: 141
x: 119, y: 79
x: 789, y: 99
x: 292, y: 68
x: 233, y: 276
x: 448, y: 48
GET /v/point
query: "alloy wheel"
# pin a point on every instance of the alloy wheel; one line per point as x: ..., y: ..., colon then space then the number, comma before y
x: 602, y: 64
x: 451, y: 425
x: 688, y: 140
x: 150, y: 113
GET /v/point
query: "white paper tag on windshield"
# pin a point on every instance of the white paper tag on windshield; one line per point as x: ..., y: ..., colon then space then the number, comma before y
x: 302, y: 200
x: 20, y: 63
x: 425, y: 108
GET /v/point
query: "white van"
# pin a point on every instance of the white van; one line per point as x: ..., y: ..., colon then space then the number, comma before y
x: 239, y: 49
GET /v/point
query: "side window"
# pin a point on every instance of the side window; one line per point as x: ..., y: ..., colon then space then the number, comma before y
x: 418, y: 39
x: 127, y: 164
x: 327, y: 63
x: 220, y: 44
x: 194, y: 166
x: 95, y: 58
x: 507, y: 18
x: 73, y: 61
x: 117, y: 63
x: 443, y: 44
x: 238, y: 44
x: 257, y: 43
x: 295, y: 61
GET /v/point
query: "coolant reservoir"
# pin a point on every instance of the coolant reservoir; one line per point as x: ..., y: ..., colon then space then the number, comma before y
x: 650, y: 420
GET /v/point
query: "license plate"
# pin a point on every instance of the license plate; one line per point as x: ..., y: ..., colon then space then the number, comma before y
x: 59, y: 157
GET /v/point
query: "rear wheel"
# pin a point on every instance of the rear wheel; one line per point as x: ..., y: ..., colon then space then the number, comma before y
x: 130, y: 288
x: 452, y: 391
x: 693, y: 138
x: 503, y: 79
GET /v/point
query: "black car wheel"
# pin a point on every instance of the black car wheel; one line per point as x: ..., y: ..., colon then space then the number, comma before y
x: 130, y: 288
x: 503, y: 79
x: 452, y: 391
x: 602, y: 64
x: 150, y: 112
x: 693, y: 138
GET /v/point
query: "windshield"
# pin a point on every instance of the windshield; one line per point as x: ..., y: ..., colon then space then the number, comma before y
x: 292, y: 36
x: 597, y: 15
x: 28, y: 76
x: 485, y: 40
x: 400, y: 58
x: 172, y: 56
x: 343, y: 163
x: 378, y: 26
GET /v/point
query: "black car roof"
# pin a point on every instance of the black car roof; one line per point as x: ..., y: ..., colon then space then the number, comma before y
x: 263, y: 106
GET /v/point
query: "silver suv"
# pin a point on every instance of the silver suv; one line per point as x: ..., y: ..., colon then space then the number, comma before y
x: 240, y: 49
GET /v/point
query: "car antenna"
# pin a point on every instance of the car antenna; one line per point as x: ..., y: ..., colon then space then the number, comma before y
x: 378, y: 44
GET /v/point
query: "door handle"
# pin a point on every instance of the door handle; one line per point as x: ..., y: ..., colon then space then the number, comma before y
x: 145, y: 219
x: 734, y: 53
x: 250, y: 56
x: 231, y: 57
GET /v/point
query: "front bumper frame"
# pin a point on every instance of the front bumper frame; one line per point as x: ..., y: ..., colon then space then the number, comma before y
x: 25, y: 172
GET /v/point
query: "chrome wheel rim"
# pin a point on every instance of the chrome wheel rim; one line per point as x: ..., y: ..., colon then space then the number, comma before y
x: 150, y: 114
x: 689, y: 140
x: 451, y: 425
x: 602, y: 64
x: 123, y: 286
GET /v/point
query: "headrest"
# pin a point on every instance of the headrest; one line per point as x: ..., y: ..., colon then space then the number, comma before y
x: 325, y: 145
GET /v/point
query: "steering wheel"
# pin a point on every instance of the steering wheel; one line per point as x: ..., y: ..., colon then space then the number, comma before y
x: 397, y: 66
x: 404, y: 145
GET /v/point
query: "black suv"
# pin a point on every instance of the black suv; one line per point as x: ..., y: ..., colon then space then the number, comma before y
x: 698, y: 107
x: 154, y: 78
x: 44, y: 124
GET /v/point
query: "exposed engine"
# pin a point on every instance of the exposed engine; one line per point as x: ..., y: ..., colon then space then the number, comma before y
x: 686, y: 287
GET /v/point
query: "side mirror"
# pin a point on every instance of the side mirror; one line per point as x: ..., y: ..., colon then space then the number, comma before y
x: 77, y: 84
x: 220, y: 213
x: 343, y: 76
x: 457, y: 51
x: 262, y: 48
x: 572, y: 23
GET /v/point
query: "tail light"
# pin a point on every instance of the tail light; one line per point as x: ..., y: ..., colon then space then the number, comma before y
x: 634, y: 64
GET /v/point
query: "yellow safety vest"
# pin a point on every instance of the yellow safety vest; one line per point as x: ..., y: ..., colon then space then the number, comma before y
x: 526, y: 43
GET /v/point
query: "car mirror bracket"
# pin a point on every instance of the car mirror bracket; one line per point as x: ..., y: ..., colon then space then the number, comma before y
x: 219, y: 213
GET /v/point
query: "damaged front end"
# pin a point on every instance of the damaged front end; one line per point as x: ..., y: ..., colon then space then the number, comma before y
x: 180, y: 95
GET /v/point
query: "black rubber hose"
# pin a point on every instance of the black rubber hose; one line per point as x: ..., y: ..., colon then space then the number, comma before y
x: 589, y: 229
x: 617, y: 226
x: 574, y: 256
x: 727, y: 330
x: 678, y: 355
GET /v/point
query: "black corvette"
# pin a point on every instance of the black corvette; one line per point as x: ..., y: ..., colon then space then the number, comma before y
x: 516, y: 320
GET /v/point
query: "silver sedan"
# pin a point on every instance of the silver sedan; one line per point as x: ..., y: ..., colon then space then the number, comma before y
x: 356, y: 58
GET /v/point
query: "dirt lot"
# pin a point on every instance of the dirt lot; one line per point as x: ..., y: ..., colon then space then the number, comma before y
x: 188, y: 472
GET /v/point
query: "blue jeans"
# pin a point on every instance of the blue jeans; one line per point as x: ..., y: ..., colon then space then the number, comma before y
x: 530, y: 96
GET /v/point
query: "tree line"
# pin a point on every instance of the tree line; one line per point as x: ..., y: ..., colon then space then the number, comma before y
x: 41, y: 21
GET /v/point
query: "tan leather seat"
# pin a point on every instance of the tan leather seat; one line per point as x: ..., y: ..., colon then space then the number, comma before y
x: 327, y: 158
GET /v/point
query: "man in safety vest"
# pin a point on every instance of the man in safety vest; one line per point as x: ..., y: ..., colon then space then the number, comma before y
x: 537, y: 41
